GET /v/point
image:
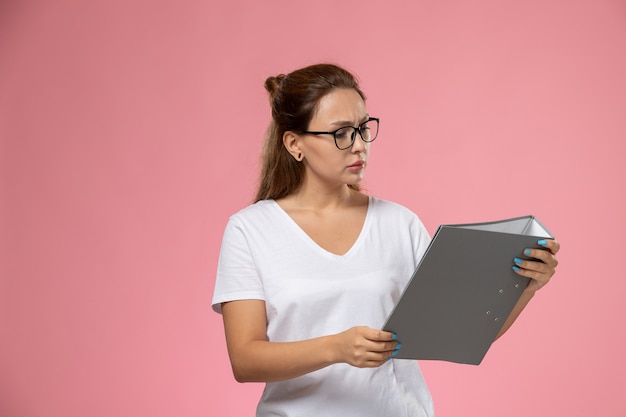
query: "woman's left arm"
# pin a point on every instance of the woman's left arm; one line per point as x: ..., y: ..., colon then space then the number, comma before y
x: 539, y: 273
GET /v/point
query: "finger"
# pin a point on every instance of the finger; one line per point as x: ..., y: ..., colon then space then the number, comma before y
x: 551, y: 244
x: 537, y: 275
x: 537, y: 279
x: 385, y: 346
x: 534, y: 266
x: 382, y: 357
x: 544, y: 256
x: 374, y: 359
x: 375, y: 363
x: 379, y: 335
x: 380, y: 341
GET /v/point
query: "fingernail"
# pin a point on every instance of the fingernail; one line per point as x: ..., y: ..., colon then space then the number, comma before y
x: 527, y: 252
x: 542, y: 242
x: 517, y: 261
x: 394, y: 336
x: 398, y: 346
x: 515, y: 268
x: 395, y: 352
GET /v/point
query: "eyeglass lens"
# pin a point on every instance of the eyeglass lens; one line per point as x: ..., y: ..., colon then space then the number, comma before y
x: 344, y: 137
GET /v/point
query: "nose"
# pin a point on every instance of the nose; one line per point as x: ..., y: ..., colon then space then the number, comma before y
x: 359, y: 145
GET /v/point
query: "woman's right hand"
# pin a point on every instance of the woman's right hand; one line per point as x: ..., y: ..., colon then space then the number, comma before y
x: 255, y: 358
x: 365, y: 347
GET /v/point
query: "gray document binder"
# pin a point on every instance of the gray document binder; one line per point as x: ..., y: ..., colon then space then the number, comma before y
x: 463, y: 290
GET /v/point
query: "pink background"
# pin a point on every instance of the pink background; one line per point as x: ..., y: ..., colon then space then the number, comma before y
x: 130, y: 131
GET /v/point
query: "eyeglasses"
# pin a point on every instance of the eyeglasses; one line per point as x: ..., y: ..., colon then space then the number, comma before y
x: 345, y: 136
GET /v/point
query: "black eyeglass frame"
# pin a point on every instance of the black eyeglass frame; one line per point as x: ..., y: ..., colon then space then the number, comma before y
x: 353, y: 135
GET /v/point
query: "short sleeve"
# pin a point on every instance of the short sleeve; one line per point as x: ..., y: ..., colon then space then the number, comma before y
x: 237, y: 277
x: 420, y: 238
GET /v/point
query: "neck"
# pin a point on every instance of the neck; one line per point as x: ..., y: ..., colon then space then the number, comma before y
x: 320, y: 199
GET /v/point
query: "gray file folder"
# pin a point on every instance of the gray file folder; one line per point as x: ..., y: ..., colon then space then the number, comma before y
x: 463, y: 290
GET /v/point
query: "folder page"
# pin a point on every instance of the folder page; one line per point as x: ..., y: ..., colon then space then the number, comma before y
x: 463, y: 290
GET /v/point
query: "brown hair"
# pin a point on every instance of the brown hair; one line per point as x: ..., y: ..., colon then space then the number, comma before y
x: 294, y: 98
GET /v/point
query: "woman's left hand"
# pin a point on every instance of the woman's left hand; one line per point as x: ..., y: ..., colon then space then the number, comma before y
x: 542, y: 270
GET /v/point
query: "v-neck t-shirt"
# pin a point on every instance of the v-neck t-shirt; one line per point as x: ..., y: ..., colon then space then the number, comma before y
x: 310, y: 292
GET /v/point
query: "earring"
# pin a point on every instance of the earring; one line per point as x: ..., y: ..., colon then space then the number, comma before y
x: 299, y: 157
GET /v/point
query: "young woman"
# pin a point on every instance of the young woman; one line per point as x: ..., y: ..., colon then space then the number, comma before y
x: 308, y: 274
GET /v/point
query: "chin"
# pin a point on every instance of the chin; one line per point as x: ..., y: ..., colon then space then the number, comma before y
x: 356, y: 181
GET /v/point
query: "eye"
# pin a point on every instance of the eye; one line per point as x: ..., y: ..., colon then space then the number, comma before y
x: 365, y: 130
x: 344, y: 133
x: 369, y: 130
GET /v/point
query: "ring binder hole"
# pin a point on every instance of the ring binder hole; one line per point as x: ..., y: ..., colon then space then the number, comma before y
x: 501, y: 291
x: 516, y: 285
x: 488, y: 312
x: 496, y: 319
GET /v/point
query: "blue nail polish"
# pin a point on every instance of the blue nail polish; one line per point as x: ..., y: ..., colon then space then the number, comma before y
x: 527, y: 252
x: 542, y: 242
x: 395, y: 352
x: 515, y: 268
x: 398, y: 346
x: 394, y: 336
x: 517, y: 261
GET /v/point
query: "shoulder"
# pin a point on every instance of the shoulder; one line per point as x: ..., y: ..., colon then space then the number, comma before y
x: 263, y: 209
x: 394, y: 216
x: 386, y: 207
x: 395, y: 221
x: 257, y: 223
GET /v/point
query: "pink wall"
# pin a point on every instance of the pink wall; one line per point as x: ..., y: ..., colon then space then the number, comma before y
x: 130, y: 130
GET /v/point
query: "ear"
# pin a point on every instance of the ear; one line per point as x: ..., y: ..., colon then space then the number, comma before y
x: 292, y: 143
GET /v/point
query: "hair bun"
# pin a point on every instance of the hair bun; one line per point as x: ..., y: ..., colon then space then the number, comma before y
x: 272, y: 84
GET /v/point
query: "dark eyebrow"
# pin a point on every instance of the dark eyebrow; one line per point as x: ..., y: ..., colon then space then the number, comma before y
x: 349, y: 123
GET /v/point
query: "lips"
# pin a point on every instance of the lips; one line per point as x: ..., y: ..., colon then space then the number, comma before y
x: 358, y: 164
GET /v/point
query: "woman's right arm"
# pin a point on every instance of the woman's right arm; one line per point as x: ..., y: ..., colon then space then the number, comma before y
x: 256, y: 359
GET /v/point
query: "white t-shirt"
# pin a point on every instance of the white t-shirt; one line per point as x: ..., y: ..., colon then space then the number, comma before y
x: 310, y: 292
